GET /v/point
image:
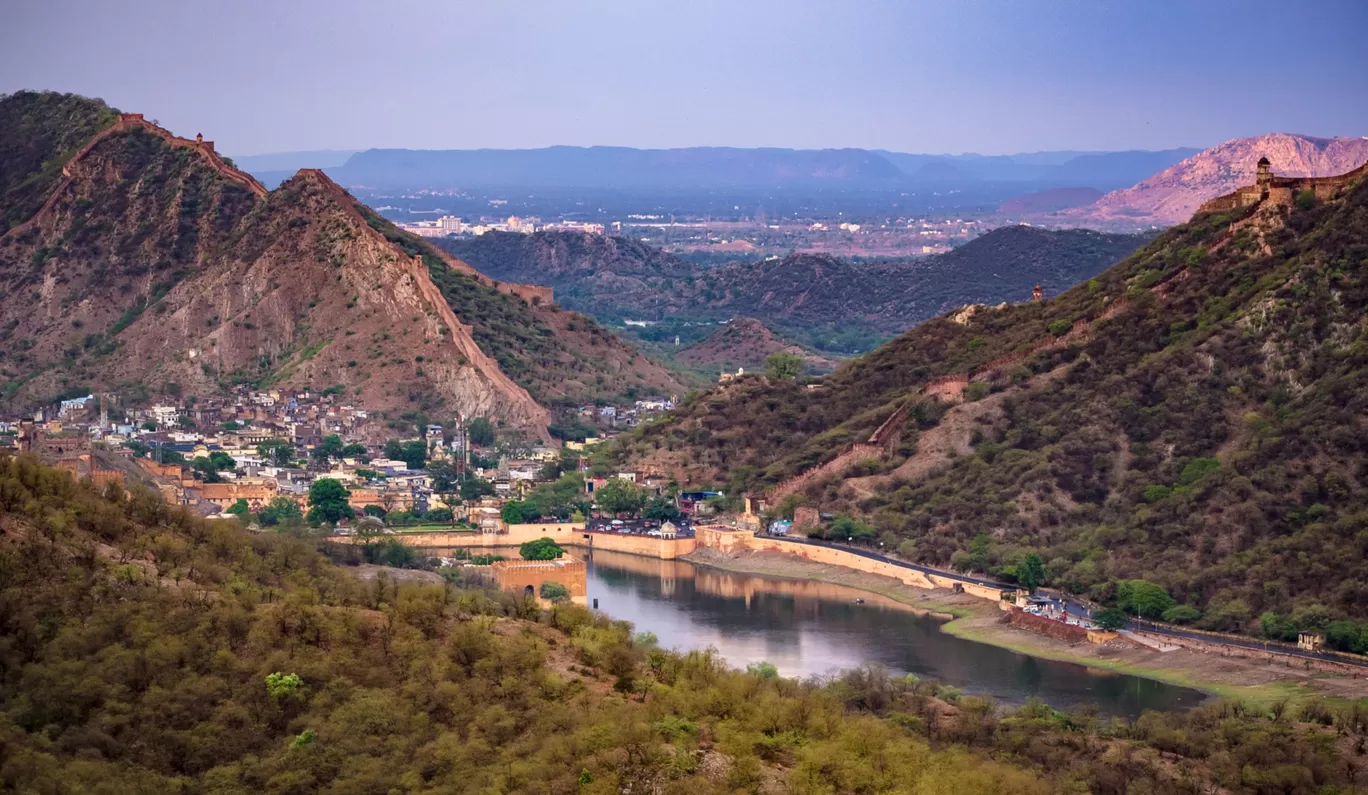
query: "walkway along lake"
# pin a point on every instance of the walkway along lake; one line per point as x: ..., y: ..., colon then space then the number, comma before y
x: 808, y: 628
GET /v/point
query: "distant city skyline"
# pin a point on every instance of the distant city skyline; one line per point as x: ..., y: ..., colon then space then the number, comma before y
x: 937, y: 77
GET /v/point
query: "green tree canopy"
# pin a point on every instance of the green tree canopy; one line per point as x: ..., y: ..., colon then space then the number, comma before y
x: 1030, y: 572
x: 280, y: 511
x: 413, y: 453
x: 540, y: 549
x: 783, y: 366
x: 1143, y: 598
x: 618, y: 496
x: 662, y: 509
x: 513, y: 512
x: 554, y: 592
x: 1110, y: 619
x: 481, y: 432
x: 328, y: 502
x: 474, y: 488
x: 277, y: 452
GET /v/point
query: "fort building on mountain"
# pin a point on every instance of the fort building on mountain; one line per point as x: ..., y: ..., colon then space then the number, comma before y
x: 1275, y: 191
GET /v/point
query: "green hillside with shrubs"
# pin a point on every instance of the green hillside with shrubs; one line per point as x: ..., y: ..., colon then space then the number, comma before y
x: 148, y: 651
x: 1209, y: 437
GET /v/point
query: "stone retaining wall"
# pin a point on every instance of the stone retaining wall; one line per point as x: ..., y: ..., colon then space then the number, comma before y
x: 1271, y: 655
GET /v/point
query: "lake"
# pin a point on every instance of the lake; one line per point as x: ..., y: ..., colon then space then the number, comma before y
x: 808, y: 628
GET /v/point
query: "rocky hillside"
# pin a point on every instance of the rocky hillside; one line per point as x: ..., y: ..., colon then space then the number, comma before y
x: 153, y: 267
x: 1174, y: 194
x: 824, y: 302
x: 1192, y: 416
x: 746, y: 342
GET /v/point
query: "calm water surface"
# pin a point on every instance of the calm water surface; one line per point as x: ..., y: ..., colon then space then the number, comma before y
x: 807, y: 628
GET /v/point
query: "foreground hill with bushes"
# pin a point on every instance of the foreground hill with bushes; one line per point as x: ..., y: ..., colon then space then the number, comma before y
x: 148, y: 651
x: 1192, y: 417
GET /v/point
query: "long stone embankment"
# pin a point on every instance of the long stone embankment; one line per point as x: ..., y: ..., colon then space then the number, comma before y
x: 567, y: 534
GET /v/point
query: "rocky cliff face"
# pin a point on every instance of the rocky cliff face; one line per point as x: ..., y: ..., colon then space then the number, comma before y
x: 1174, y: 194
x: 153, y: 267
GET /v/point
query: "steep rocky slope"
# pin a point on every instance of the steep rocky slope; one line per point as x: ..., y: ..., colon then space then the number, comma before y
x: 822, y: 301
x: 154, y: 267
x: 1174, y: 194
x: 1193, y: 416
x: 746, y: 342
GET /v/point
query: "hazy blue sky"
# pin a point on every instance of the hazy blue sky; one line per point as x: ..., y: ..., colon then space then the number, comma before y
x: 945, y: 76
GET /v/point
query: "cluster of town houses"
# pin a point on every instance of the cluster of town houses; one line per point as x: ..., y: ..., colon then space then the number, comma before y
x: 94, y: 436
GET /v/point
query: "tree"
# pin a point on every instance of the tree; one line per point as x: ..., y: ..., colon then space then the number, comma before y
x: 280, y: 510
x: 1030, y: 572
x: 481, y: 432
x: 412, y: 453
x: 444, y: 477
x: 474, y: 488
x: 240, y: 509
x: 331, y: 446
x: 662, y: 509
x: 276, y: 451
x: 1182, y: 614
x: 1143, y: 598
x: 554, y: 592
x: 1110, y: 619
x: 328, y: 502
x: 620, y: 496
x: 848, y: 528
x: 540, y: 549
x: 280, y: 685
x: 354, y: 450
x: 513, y: 512
x: 783, y: 366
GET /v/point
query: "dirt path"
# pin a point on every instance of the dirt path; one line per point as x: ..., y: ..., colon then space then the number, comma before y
x: 952, y: 433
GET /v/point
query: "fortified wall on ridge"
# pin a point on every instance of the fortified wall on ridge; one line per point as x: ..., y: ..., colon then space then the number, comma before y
x: 1274, y: 191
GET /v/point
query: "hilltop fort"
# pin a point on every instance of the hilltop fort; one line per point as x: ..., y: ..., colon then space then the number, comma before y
x: 1274, y: 191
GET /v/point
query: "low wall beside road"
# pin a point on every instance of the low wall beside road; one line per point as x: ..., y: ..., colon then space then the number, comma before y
x: 727, y: 540
x: 567, y: 534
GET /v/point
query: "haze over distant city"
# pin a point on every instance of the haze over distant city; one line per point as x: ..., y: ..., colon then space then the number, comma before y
x: 991, y: 77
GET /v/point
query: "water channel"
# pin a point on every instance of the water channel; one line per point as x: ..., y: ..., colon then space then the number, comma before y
x: 808, y: 628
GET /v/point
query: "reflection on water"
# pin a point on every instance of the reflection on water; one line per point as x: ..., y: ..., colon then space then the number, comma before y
x: 808, y: 628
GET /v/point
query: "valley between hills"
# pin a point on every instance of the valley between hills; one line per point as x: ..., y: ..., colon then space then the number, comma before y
x: 1127, y: 433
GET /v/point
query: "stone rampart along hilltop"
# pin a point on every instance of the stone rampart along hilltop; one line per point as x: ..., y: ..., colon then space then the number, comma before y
x: 1271, y: 190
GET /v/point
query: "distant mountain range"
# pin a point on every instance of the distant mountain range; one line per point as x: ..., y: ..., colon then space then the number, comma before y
x: 1174, y: 194
x: 828, y: 303
x: 711, y: 167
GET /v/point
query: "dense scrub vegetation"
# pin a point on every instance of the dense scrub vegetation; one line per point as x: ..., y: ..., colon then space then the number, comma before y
x: 39, y: 132
x: 145, y: 650
x: 1210, y: 438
